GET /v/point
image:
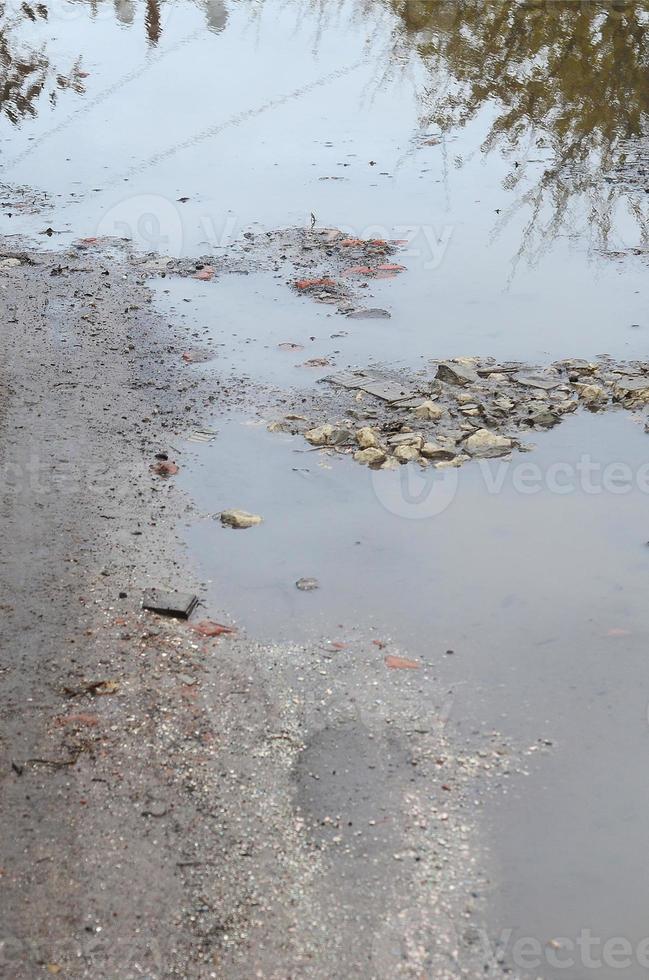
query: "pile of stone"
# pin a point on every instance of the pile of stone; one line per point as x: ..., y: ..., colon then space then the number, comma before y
x: 466, y: 408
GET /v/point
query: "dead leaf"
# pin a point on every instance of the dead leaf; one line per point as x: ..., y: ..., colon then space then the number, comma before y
x: 89, y: 241
x: 313, y: 283
x: 351, y: 242
x: 400, y: 663
x: 54, y: 968
x: 205, y: 274
x: 359, y: 270
x: 208, y: 627
x: 616, y: 631
x: 164, y: 468
x: 388, y: 269
x: 379, y: 643
x: 81, y: 719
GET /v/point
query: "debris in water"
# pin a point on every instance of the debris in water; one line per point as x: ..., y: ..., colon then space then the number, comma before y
x: 307, y: 584
x: 486, y: 444
x: 317, y: 362
x: 205, y: 274
x: 382, y: 388
x: 371, y: 456
x: 372, y: 313
x: 289, y: 346
x: 202, y: 435
x: 306, y: 284
x: 455, y: 374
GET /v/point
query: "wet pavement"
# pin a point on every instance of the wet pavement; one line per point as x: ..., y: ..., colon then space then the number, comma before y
x: 488, y: 140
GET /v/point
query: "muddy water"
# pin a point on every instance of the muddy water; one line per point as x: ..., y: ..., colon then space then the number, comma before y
x: 495, y: 141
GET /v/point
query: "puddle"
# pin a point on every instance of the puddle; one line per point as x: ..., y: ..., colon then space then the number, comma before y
x: 247, y: 319
x: 496, y: 188
x: 534, y: 572
x: 495, y: 141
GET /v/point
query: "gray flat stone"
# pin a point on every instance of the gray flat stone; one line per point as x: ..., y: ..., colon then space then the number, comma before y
x: 180, y: 604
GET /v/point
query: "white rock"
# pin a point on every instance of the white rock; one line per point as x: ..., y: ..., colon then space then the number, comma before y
x: 370, y: 456
x: 444, y: 464
x: 239, y: 518
x: 407, y: 439
x: 320, y: 435
x: 566, y: 406
x: 429, y: 410
x: 485, y: 443
x: 591, y: 394
x: 406, y: 453
x: 432, y: 450
x: 367, y: 438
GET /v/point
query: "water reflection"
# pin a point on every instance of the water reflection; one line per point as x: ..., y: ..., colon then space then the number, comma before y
x: 26, y: 72
x: 562, y: 87
x: 216, y: 13
x: 567, y: 83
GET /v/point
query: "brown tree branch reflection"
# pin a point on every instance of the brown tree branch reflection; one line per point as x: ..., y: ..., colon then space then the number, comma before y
x: 25, y: 71
x: 564, y: 79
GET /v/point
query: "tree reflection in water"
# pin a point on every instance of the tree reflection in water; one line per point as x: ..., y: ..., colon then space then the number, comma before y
x: 564, y: 80
x: 26, y: 73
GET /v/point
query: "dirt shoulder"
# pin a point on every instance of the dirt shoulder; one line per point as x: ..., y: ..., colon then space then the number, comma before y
x: 174, y: 805
x: 86, y: 407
